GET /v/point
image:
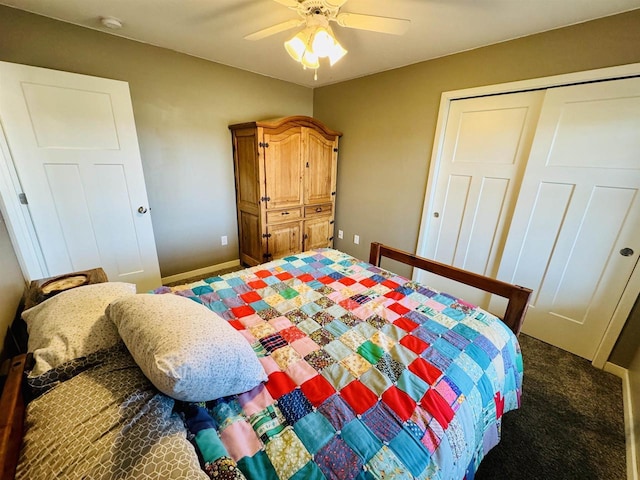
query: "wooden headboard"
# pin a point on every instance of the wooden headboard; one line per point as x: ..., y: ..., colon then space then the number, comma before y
x: 518, y: 297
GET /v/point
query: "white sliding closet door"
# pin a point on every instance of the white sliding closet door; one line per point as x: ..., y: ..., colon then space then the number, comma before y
x: 575, y: 234
x: 484, y: 154
x: 73, y: 142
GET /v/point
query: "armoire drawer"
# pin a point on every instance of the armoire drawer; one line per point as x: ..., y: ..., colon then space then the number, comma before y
x: 313, y: 210
x: 284, y: 215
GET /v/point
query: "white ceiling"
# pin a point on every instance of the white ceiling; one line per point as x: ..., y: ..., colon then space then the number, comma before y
x: 214, y: 29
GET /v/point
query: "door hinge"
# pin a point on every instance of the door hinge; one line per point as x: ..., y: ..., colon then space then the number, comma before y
x: 265, y: 199
x: 335, y: 150
x: 266, y: 235
x: 23, y: 198
x: 263, y: 144
x: 267, y: 256
x: 333, y: 193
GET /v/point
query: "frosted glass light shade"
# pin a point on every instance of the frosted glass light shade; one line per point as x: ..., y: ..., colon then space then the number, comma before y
x: 337, y: 52
x: 310, y: 60
x: 322, y: 43
x: 297, y: 45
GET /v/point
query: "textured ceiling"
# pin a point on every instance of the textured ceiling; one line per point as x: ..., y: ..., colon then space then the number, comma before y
x: 214, y: 29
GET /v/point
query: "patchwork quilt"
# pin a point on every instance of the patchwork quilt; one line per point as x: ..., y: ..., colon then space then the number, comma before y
x: 370, y: 375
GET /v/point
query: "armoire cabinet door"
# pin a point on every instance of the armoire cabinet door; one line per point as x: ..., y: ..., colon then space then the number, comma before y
x: 318, y: 233
x: 320, y: 168
x: 284, y: 239
x: 283, y: 167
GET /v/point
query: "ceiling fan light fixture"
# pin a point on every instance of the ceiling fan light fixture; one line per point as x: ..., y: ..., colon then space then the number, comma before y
x: 310, y: 60
x: 295, y: 48
x: 323, y: 42
x: 337, y: 52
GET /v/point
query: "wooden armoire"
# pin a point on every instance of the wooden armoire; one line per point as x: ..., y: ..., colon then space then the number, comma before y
x: 285, y: 173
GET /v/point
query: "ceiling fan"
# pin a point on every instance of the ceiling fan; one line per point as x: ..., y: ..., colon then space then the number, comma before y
x: 317, y: 40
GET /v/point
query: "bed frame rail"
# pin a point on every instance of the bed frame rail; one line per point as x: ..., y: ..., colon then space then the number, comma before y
x: 518, y: 297
x: 11, y: 418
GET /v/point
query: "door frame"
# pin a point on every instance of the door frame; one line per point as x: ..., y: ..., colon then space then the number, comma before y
x: 632, y: 290
x: 17, y: 217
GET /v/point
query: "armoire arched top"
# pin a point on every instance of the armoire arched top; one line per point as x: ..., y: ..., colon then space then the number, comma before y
x: 288, y: 122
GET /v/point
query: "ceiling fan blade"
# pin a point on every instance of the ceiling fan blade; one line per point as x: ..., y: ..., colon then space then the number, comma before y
x: 288, y: 3
x: 394, y: 26
x: 272, y: 30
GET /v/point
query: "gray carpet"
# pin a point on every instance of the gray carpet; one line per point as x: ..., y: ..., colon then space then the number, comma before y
x: 570, y: 425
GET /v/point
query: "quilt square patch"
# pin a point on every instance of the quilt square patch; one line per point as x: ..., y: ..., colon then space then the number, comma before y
x: 359, y: 397
x: 294, y: 405
x: 285, y: 356
x: 314, y: 431
x: 287, y: 454
x: 317, y: 389
x: 337, y: 461
x: 319, y: 360
x: 337, y: 411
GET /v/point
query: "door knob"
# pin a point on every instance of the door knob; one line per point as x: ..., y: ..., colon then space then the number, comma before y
x: 626, y: 252
x: 142, y: 210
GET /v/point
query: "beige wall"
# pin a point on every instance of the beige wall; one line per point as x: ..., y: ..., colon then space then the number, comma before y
x: 11, y: 282
x: 182, y: 107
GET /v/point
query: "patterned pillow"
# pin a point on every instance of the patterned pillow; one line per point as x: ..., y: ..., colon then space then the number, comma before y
x: 72, y: 324
x: 186, y: 350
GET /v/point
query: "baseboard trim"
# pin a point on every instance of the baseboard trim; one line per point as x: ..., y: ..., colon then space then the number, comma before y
x: 201, y: 271
x: 629, y: 422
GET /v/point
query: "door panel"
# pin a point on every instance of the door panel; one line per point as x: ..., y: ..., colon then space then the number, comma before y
x: 74, y: 145
x: 484, y: 153
x: 283, y: 168
x: 321, y: 167
x: 317, y: 232
x: 285, y: 239
x: 578, y: 207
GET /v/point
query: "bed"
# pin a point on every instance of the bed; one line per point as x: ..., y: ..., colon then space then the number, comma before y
x: 362, y: 374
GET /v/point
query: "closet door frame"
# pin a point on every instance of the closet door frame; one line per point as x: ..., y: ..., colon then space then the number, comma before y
x: 632, y: 70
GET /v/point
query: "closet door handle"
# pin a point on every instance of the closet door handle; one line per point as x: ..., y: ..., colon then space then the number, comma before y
x: 142, y: 210
x: 626, y: 252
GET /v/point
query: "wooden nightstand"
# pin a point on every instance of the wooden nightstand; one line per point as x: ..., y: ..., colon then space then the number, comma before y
x: 40, y: 290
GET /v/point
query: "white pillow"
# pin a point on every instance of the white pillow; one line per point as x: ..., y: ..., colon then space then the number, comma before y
x: 186, y: 350
x: 72, y: 324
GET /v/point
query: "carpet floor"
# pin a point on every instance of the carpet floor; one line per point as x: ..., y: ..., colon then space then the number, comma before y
x: 570, y: 425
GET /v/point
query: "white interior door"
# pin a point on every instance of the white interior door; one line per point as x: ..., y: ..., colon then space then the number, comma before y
x: 578, y: 210
x: 485, y: 149
x: 73, y: 142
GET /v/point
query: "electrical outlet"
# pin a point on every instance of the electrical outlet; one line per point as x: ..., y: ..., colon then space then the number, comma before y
x: 356, y: 239
x: 340, y: 234
x: 223, y: 240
